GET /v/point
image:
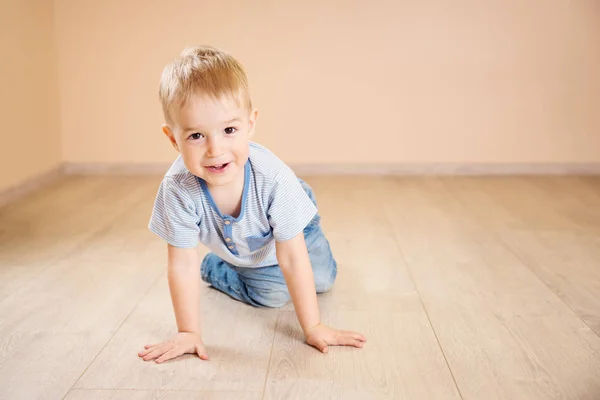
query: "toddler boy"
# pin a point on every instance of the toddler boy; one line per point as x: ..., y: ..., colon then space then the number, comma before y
x: 237, y: 198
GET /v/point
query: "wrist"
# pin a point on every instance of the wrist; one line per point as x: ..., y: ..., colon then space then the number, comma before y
x: 311, y: 328
x: 195, y: 332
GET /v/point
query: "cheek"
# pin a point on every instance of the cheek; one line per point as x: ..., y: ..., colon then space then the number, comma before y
x: 241, y: 151
x: 191, y: 153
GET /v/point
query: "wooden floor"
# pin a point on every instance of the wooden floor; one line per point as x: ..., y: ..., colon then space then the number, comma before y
x: 466, y: 288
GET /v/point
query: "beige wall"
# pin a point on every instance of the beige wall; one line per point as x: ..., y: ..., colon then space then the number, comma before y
x: 30, y: 136
x: 346, y: 81
x: 342, y: 82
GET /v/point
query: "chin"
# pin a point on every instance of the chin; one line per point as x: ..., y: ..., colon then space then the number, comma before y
x: 211, y: 181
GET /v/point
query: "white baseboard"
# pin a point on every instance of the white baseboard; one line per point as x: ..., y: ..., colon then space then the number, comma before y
x: 398, y: 169
x: 29, y: 186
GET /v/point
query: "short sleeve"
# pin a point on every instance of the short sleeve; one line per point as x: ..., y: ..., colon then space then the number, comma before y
x: 174, y: 217
x: 290, y: 208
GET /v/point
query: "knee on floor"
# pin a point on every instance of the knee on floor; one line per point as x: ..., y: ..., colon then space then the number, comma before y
x: 324, y: 283
x: 271, y: 298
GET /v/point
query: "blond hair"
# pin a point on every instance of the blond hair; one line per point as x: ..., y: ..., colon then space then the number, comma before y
x: 202, y: 70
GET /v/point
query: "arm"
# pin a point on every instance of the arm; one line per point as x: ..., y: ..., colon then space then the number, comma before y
x: 184, y: 285
x: 292, y: 256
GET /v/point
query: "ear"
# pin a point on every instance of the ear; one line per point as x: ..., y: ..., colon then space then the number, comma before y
x: 167, y: 131
x: 252, y: 121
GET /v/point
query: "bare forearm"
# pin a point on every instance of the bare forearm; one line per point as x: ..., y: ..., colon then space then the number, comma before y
x: 301, y: 285
x: 184, y: 284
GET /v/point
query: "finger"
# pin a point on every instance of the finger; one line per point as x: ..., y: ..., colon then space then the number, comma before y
x: 148, y: 350
x: 157, y: 352
x: 144, y: 352
x: 345, y: 341
x: 174, y: 352
x: 352, y: 342
x: 354, y: 335
x: 348, y: 341
x: 151, y: 349
x: 358, y: 336
x: 321, y: 345
x: 201, y: 352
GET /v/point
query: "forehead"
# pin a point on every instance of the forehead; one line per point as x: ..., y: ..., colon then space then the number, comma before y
x: 205, y: 112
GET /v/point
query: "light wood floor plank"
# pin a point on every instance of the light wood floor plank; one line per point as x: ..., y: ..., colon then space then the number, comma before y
x: 504, y: 333
x: 374, y: 295
x: 238, y: 339
x: 565, y: 259
x: 575, y: 197
x: 41, y: 230
x: 371, y: 273
x: 83, y: 288
x: 83, y: 394
x: 54, y: 325
x: 22, y: 226
x: 401, y: 359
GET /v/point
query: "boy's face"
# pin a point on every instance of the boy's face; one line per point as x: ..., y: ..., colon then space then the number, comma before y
x: 213, y: 137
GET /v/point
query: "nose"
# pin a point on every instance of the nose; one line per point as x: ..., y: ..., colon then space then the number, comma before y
x: 215, y: 146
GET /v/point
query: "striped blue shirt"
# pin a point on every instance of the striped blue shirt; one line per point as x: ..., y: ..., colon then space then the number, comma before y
x: 274, y: 207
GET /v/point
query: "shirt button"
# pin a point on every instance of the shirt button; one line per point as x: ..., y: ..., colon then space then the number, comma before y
x: 228, y: 239
x: 227, y: 222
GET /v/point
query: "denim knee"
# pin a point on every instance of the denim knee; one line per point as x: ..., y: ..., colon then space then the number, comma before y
x: 270, y: 298
x: 325, y: 278
x: 209, y: 259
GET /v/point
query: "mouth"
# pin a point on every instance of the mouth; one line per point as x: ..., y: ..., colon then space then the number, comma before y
x: 217, y: 167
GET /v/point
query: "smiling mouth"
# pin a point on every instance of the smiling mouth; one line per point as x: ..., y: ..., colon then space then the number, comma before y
x: 217, y: 167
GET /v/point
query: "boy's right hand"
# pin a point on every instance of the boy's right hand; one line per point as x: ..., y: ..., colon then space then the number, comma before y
x: 184, y: 342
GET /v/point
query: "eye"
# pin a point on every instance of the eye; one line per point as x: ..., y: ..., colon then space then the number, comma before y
x: 196, y: 136
x: 230, y: 130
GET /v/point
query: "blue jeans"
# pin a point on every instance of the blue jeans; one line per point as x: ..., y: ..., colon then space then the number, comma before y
x: 266, y: 286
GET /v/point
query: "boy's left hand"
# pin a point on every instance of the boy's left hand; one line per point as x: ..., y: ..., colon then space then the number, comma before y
x: 322, y: 336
